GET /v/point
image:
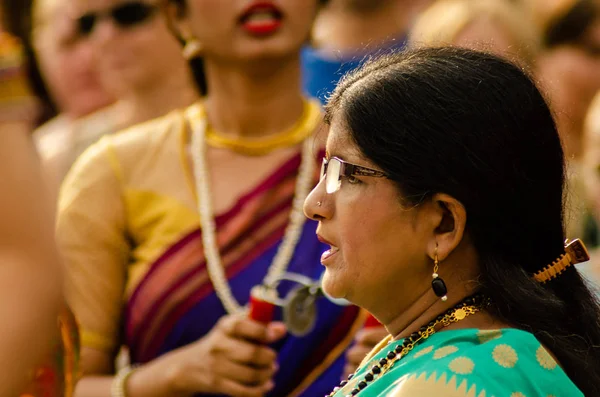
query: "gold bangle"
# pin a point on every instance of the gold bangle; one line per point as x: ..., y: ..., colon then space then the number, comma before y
x: 118, y: 388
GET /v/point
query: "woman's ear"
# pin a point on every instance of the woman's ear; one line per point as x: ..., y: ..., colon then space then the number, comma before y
x: 450, y: 225
x: 175, y: 14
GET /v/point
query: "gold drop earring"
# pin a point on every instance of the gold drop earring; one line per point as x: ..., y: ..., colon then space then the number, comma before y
x: 192, y: 48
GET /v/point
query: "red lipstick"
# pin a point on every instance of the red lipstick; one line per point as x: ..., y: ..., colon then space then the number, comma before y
x: 261, y: 19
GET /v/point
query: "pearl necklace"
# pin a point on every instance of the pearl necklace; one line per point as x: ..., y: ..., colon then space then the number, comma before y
x: 214, y: 263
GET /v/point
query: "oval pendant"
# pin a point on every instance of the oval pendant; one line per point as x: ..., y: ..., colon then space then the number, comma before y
x: 439, y: 287
x: 300, y: 311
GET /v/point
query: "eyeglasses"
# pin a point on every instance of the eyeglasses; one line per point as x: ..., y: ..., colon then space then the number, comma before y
x: 334, y: 169
x: 124, y: 15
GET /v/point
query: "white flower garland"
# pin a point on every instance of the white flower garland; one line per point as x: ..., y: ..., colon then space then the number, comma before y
x: 216, y: 270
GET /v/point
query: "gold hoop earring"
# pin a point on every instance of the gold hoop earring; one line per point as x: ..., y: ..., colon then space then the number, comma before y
x: 438, y: 285
x: 192, y: 49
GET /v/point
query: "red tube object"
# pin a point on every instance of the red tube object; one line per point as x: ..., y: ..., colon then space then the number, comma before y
x: 261, y: 310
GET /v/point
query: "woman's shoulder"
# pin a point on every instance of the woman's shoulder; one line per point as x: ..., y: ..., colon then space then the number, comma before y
x: 478, y: 363
x: 148, y: 133
x: 140, y: 144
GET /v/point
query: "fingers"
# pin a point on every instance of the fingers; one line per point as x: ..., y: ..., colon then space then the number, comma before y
x: 244, y: 364
x: 244, y: 374
x: 231, y: 360
x: 248, y: 353
x: 244, y: 328
x: 275, y: 332
x: 371, y: 336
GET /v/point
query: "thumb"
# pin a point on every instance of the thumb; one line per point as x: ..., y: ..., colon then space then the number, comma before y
x: 275, y: 331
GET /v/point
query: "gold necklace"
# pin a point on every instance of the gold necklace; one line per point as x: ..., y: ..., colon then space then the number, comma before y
x: 311, y: 116
x: 459, y: 312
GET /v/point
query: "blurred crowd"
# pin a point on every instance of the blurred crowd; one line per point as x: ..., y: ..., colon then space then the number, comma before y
x: 99, y: 67
x: 93, y: 82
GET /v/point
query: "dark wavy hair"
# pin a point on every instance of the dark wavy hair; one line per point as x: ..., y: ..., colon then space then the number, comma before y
x: 197, y: 64
x: 474, y: 126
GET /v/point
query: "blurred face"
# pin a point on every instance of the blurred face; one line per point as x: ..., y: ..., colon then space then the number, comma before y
x: 591, y: 159
x: 68, y: 67
x: 571, y: 76
x: 378, y: 246
x: 484, y: 34
x: 243, y: 30
x: 571, y: 79
x: 134, y: 48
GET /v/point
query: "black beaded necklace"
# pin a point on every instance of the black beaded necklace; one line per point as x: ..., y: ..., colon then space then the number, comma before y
x: 459, y: 312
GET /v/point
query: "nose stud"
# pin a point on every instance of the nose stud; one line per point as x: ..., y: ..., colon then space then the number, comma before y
x: 318, y: 203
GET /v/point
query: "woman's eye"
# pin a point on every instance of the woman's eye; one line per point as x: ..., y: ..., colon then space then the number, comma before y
x: 353, y: 180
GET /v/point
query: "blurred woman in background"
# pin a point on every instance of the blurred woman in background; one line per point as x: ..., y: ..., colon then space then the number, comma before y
x: 70, y: 74
x: 570, y: 63
x: 568, y: 70
x: 127, y: 44
x: 67, y: 63
x: 166, y: 228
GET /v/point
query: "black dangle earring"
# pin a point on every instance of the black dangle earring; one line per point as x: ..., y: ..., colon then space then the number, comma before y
x: 438, y: 285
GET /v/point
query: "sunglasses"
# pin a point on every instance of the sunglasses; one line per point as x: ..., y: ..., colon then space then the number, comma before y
x: 334, y: 169
x: 124, y: 15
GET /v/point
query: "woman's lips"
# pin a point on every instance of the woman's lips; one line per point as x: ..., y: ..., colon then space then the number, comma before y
x: 330, y: 252
x: 261, y: 19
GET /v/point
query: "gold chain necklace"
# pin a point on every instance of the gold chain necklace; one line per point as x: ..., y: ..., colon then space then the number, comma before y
x: 304, y: 128
x: 459, y: 312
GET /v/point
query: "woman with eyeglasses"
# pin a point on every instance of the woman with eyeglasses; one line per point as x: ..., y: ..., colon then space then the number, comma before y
x: 124, y: 44
x: 441, y: 199
x: 138, y: 61
x: 166, y: 228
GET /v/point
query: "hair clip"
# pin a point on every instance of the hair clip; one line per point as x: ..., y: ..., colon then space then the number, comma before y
x: 575, y: 252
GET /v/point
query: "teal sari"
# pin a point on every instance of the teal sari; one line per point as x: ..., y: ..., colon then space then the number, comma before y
x: 468, y: 363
